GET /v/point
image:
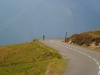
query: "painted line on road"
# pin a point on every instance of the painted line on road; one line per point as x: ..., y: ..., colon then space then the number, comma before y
x: 89, y: 56
x: 84, y: 54
x: 98, y: 64
x: 79, y: 52
x: 70, y: 48
x: 99, y: 69
x: 74, y: 49
x: 99, y: 73
x: 94, y: 59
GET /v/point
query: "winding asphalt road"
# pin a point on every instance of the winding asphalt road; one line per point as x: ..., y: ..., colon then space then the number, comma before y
x: 82, y: 61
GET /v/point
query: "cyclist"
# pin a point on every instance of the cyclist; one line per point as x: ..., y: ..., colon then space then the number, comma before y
x: 43, y: 37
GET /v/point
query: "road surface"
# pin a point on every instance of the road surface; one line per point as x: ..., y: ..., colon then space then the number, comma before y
x: 82, y: 61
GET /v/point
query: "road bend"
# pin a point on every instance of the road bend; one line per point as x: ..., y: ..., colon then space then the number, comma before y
x: 82, y: 61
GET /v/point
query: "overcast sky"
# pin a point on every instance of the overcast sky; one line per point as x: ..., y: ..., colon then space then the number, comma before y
x: 24, y: 20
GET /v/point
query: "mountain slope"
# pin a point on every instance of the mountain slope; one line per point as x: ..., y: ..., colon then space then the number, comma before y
x: 31, y: 58
x: 89, y: 39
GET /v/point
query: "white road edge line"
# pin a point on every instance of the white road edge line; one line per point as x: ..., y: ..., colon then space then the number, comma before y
x: 99, y: 73
x: 79, y: 52
x: 99, y: 67
x: 89, y: 56
x: 94, y: 59
x: 84, y: 54
x: 98, y: 64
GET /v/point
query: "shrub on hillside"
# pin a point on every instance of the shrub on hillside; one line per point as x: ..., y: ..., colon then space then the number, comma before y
x: 67, y: 39
x: 85, y: 38
x: 97, y: 40
x: 82, y: 39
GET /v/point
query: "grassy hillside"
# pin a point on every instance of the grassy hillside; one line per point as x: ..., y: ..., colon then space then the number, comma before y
x: 31, y: 58
x: 89, y: 39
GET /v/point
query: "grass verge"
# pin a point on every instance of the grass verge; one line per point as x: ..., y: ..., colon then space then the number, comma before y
x: 31, y: 58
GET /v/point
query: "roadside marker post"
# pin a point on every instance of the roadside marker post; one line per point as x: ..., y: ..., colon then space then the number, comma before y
x: 65, y: 36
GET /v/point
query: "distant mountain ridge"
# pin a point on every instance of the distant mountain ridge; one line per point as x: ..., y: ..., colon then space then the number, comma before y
x: 89, y: 39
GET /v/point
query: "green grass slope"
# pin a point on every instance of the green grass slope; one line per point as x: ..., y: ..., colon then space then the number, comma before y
x: 31, y: 58
x: 89, y: 39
